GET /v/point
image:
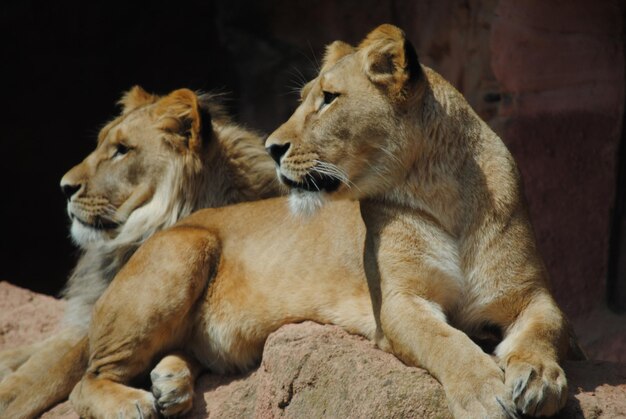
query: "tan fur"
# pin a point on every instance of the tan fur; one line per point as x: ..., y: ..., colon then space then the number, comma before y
x: 450, y: 247
x: 180, y: 153
x: 445, y: 239
x: 226, y: 279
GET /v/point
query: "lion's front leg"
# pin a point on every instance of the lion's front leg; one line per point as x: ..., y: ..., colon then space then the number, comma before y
x: 530, y: 353
x: 413, y: 266
x: 147, y: 309
x: 12, y: 359
x: 418, y: 334
x: 95, y: 397
x: 47, y: 377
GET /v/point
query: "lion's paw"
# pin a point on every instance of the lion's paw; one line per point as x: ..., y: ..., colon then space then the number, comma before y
x: 481, y: 393
x: 491, y: 399
x: 173, y: 391
x: 140, y: 406
x: 106, y: 399
x: 538, y: 388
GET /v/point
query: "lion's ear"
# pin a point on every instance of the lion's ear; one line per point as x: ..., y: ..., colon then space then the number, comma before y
x: 135, y: 98
x: 390, y: 59
x: 179, y: 113
x: 334, y: 52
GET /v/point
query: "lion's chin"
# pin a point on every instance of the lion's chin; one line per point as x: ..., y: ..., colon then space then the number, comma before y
x: 305, y: 203
x: 84, y: 235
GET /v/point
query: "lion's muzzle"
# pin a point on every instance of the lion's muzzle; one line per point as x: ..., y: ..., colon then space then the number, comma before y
x: 313, y: 182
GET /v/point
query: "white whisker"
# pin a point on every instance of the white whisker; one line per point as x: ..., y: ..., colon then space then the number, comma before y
x: 332, y: 170
x: 313, y: 181
x: 394, y: 159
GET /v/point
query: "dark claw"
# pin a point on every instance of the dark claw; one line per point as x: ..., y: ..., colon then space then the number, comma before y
x: 139, y: 411
x: 539, y: 406
x: 521, y: 385
x: 517, y: 391
x: 512, y: 414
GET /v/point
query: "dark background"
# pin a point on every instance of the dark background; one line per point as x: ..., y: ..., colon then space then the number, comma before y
x: 65, y: 64
x: 547, y: 76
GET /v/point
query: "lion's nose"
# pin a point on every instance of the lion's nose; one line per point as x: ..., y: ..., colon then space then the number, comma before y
x: 69, y: 189
x: 277, y: 151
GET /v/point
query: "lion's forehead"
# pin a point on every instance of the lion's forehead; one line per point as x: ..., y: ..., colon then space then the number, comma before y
x: 133, y: 125
x: 340, y: 73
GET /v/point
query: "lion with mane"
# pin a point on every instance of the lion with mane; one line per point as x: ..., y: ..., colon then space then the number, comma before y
x: 161, y: 159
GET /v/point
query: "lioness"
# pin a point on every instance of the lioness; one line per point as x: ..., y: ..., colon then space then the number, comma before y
x: 230, y: 276
x: 161, y: 159
x: 448, y: 236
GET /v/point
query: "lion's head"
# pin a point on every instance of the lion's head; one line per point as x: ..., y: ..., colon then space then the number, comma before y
x: 349, y: 135
x: 145, y: 171
x: 161, y: 159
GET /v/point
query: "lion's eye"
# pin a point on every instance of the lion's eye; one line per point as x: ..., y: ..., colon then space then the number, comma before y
x: 329, y: 97
x: 121, y: 149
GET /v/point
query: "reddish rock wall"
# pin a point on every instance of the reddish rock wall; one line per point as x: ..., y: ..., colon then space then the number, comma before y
x: 560, y: 67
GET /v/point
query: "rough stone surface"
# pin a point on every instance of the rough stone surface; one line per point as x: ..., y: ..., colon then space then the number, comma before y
x: 315, y: 371
x: 25, y: 316
x: 309, y: 370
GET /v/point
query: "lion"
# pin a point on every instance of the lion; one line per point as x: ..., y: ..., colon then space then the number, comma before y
x: 450, y: 247
x: 158, y: 161
x: 437, y: 248
x: 223, y: 280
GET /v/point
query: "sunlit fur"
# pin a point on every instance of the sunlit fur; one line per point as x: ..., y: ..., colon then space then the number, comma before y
x: 441, y: 198
x: 224, y: 280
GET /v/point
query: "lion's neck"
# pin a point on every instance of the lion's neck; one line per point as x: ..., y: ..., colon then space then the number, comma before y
x: 452, y: 175
x: 431, y: 184
x: 94, y: 271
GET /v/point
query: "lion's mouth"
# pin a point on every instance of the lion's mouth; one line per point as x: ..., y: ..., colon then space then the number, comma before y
x: 313, y: 182
x: 98, y: 223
